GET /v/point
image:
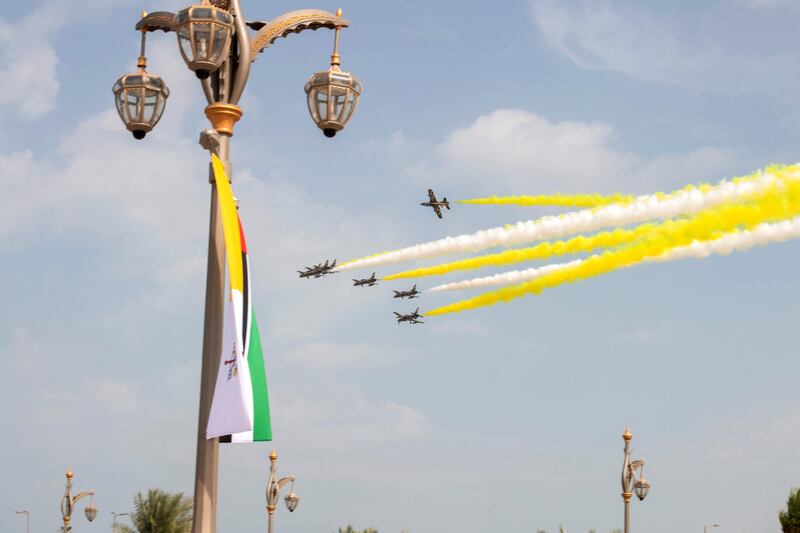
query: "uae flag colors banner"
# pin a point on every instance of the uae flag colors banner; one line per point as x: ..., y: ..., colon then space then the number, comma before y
x: 240, y: 408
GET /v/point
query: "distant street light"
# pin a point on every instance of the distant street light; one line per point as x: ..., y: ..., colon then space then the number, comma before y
x: 705, y: 528
x: 68, y: 504
x: 114, y: 520
x: 629, y: 468
x: 27, y: 519
x: 274, y: 486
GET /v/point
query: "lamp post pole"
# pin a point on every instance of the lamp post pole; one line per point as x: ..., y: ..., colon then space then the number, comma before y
x: 274, y: 486
x: 68, y: 502
x: 629, y: 468
x: 114, y: 520
x: 215, y: 43
x: 27, y: 519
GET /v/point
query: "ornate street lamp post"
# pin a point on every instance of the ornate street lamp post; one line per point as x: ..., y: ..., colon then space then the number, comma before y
x: 218, y: 44
x: 274, y: 486
x: 629, y: 468
x: 68, y: 504
x: 27, y: 519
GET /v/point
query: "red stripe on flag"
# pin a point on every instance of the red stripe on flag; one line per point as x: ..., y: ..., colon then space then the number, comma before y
x: 241, y: 233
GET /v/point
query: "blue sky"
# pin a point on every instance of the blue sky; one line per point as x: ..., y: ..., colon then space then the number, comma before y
x: 506, y: 418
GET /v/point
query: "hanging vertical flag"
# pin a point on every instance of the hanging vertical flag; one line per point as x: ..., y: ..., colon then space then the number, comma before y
x: 259, y: 401
x: 229, y: 408
x: 247, y: 396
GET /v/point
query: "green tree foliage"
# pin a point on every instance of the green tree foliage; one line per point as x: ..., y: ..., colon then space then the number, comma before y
x: 160, y: 512
x: 790, y: 518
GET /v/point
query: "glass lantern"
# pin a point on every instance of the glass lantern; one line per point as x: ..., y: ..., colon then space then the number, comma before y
x: 204, y: 37
x: 333, y: 95
x: 140, y: 99
x: 332, y: 99
x: 91, y: 512
x: 641, y: 487
x: 291, y: 500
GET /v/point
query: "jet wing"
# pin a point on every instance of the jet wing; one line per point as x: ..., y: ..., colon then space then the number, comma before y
x: 431, y: 195
x: 438, y: 210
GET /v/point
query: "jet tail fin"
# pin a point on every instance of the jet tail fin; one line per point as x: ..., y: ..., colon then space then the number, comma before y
x: 446, y: 203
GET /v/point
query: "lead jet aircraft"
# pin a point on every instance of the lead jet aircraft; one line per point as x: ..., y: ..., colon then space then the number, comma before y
x: 407, y: 294
x: 366, y: 282
x: 411, y: 318
x: 436, y: 204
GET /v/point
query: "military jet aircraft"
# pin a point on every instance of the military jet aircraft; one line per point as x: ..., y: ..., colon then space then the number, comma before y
x: 407, y: 294
x: 366, y: 282
x: 318, y: 270
x: 411, y: 318
x: 436, y: 204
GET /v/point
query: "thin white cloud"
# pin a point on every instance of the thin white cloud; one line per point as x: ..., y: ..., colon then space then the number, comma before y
x: 114, y: 396
x: 666, y: 48
x: 29, y: 62
x: 344, y: 419
x: 770, y: 4
x: 322, y: 354
x: 517, y: 151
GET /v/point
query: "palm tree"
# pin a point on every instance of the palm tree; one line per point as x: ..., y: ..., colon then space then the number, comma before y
x: 790, y: 518
x: 160, y: 512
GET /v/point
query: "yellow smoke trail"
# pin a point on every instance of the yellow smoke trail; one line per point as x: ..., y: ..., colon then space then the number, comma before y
x: 780, y: 205
x: 544, y: 250
x: 688, y: 192
x: 561, y: 200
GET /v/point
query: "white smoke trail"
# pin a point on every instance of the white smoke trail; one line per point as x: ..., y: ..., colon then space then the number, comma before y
x: 642, y: 209
x: 504, y: 278
x: 736, y: 241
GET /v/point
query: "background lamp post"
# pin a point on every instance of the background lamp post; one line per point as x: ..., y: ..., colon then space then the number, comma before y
x: 114, y: 520
x: 68, y: 504
x: 705, y: 528
x: 27, y: 519
x: 215, y: 38
x: 629, y: 467
x: 274, y: 486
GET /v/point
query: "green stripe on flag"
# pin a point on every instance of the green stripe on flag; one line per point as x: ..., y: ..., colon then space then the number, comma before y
x: 262, y: 428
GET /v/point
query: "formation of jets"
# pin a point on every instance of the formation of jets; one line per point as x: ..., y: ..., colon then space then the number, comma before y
x: 411, y: 318
x: 436, y: 204
x: 322, y: 269
x: 366, y: 282
x: 319, y: 270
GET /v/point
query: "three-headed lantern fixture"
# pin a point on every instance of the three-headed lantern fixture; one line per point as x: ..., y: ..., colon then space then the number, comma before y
x: 333, y: 94
x: 140, y: 97
x: 204, y: 37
